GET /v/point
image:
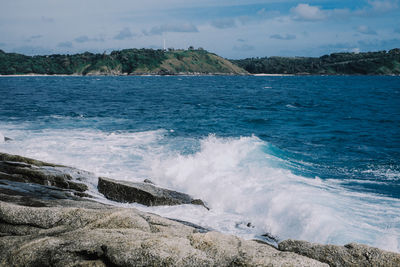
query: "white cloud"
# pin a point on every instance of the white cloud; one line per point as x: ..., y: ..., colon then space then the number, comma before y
x: 383, y: 6
x: 224, y: 23
x: 244, y: 47
x: 158, y: 30
x: 85, y: 38
x: 283, y: 37
x: 34, y: 37
x: 99, y: 25
x: 47, y: 19
x: 65, y: 45
x: 125, y: 33
x: 366, y: 30
x: 307, y: 12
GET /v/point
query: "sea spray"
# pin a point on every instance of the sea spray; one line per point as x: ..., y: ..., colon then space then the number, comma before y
x: 326, y: 170
x: 240, y: 181
x: 235, y: 176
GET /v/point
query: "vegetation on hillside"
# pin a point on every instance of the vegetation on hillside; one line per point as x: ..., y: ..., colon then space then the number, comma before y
x: 124, y: 62
x: 197, y: 61
x: 376, y: 63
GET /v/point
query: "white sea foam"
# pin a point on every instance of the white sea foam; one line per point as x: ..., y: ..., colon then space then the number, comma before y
x: 237, y: 177
x: 291, y: 106
x: 387, y: 174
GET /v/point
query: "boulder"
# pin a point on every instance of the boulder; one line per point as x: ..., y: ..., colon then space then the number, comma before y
x: 17, y: 158
x: 37, y: 195
x: 148, y: 181
x: 44, y: 221
x: 21, y: 169
x: 342, y: 256
x: 104, y: 236
x: 144, y: 193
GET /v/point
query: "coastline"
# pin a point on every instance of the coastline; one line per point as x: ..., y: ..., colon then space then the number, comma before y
x: 272, y: 75
x: 191, y: 75
x: 40, y: 220
x: 118, y: 75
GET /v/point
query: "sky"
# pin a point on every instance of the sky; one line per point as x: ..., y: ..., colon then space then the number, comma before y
x: 233, y: 29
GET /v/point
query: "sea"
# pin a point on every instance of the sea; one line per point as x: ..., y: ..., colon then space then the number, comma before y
x: 314, y: 158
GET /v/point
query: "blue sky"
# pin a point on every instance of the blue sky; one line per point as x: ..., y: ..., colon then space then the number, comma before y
x: 232, y: 29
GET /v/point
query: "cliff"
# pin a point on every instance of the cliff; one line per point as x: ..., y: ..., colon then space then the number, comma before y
x: 124, y: 62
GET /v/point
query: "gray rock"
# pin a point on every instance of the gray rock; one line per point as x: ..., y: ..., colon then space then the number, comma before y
x: 21, y: 169
x: 65, y: 236
x: 148, y: 181
x: 36, y: 195
x: 16, y: 158
x: 143, y: 193
x: 44, y: 221
x: 343, y: 256
x: 7, y: 139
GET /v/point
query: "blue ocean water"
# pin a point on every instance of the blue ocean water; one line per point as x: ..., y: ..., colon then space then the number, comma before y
x: 306, y: 157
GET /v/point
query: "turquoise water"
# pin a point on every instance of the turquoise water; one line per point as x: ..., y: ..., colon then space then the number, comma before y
x: 315, y: 158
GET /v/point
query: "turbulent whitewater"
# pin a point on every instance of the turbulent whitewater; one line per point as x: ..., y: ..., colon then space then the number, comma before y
x: 313, y: 158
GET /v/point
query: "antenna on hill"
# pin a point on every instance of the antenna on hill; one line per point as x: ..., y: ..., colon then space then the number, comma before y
x: 164, y: 45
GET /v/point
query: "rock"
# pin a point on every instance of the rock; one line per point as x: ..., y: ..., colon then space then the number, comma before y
x: 143, y: 193
x: 270, y: 237
x: 44, y: 225
x: 36, y: 195
x: 342, y: 256
x: 21, y: 169
x: 75, y: 236
x: 148, y: 181
x: 16, y: 158
x: 6, y: 139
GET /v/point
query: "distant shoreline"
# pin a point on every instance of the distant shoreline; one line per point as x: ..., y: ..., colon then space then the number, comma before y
x: 198, y: 62
x: 124, y: 75
x: 189, y: 74
x: 273, y: 74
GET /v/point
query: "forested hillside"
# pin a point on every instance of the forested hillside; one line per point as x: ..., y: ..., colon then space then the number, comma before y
x: 382, y: 62
x: 124, y: 62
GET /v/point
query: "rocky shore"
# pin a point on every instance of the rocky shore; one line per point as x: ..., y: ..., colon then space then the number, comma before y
x: 47, y: 218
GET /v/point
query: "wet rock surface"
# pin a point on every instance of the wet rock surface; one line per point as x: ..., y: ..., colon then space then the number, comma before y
x: 36, y: 195
x: 342, y: 256
x: 144, y: 193
x: 26, y: 170
x: 46, y: 223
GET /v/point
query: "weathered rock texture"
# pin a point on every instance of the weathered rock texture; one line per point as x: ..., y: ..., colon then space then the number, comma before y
x: 21, y: 169
x: 35, y: 195
x: 143, y: 193
x: 347, y: 256
x: 45, y: 221
x: 17, y: 158
x: 72, y: 236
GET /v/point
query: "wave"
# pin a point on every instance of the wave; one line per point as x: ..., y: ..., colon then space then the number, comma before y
x: 386, y: 173
x: 243, y: 179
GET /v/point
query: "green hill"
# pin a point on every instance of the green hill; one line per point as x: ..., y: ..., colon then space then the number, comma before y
x: 124, y: 62
x: 199, y: 61
x: 370, y: 63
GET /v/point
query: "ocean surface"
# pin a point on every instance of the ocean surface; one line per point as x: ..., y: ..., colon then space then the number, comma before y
x: 313, y: 158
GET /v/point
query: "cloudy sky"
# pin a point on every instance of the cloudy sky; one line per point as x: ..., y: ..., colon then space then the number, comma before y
x: 232, y: 29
